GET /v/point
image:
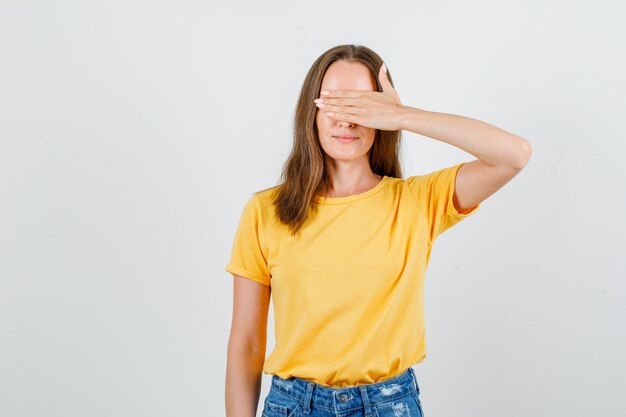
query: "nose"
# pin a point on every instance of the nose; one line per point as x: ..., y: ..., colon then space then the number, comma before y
x: 346, y: 123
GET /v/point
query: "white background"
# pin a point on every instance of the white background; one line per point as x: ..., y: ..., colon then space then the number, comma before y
x: 132, y: 133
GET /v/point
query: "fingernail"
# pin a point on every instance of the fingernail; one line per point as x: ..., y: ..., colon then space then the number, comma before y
x: 324, y: 93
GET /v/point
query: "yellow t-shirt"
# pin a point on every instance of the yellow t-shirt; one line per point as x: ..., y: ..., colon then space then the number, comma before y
x: 348, y: 290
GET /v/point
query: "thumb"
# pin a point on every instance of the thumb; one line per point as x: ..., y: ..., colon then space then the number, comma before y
x: 384, y: 81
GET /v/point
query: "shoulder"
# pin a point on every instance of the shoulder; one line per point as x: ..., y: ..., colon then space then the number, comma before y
x: 261, y: 203
x: 399, y: 184
x: 439, y: 178
x: 265, y: 196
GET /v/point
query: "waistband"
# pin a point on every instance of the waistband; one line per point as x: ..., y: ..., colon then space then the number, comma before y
x: 312, y: 395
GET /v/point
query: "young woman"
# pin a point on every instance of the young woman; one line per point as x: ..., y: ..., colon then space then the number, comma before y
x: 342, y: 245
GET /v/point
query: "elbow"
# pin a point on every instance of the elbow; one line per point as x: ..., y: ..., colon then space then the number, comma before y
x: 524, y: 154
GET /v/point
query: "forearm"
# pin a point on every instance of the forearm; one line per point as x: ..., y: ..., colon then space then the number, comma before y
x: 490, y: 144
x: 243, y: 382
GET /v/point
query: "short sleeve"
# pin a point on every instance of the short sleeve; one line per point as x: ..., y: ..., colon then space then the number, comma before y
x: 434, y: 194
x: 247, y: 258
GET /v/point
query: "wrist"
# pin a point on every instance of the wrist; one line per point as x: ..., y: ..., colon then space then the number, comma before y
x: 408, y: 115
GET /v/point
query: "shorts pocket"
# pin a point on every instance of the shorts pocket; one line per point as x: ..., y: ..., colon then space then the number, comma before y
x: 277, y: 405
x: 405, y: 406
x: 271, y: 409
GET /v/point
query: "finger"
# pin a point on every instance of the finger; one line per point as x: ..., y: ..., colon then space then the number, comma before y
x: 340, y: 93
x: 351, y: 118
x: 327, y: 107
x: 384, y: 80
x: 386, y: 84
x: 346, y: 101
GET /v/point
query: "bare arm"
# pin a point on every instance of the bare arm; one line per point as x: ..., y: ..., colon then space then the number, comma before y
x: 501, y: 154
x: 246, y: 347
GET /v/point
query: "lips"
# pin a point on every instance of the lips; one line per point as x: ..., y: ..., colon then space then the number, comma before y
x: 345, y: 138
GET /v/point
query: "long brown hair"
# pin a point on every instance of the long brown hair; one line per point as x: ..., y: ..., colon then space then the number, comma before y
x: 304, y: 172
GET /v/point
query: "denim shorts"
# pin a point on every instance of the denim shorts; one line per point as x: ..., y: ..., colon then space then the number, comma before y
x: 296, y: 397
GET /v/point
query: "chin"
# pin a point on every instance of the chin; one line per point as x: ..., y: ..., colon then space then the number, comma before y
x: 345, y: 157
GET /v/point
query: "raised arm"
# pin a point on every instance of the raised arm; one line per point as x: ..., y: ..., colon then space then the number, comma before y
x: 501, y: 155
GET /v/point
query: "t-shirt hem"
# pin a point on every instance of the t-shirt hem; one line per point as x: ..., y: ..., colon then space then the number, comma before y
x: 237, y: 270
x: 466, y: 213
x: 453, y: 210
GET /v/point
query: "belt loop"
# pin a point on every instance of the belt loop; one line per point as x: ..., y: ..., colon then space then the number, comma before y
x: 413, y: 376
x: 366, y: 400
x: 414, y: 380
x: 306, y: 406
